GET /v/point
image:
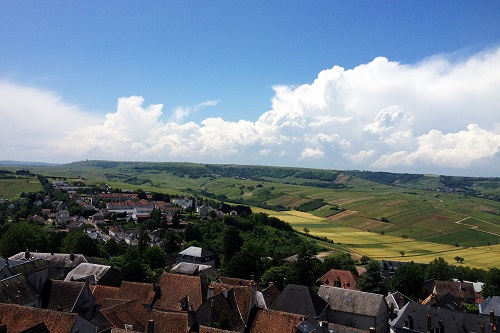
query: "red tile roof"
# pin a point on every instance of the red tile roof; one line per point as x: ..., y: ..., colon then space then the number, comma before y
x: 270, y: 321
x: 225, y: 305
x: 235, y: 281
x: 338, y: 278
x: 174, y: 287
x: 173, y: 322
x: 101, y: 292
x: 131, y: 313
x: 19, y: 318
x: 132, y: 290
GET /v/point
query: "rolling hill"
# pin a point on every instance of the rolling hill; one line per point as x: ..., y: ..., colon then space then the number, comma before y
x: 375, y: 213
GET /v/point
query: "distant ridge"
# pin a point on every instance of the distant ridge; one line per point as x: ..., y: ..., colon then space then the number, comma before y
x: 20, y: 163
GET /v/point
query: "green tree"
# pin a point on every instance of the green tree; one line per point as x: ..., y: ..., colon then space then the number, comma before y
x: 372, y: 281
x: 459, y: 259
x: 491, y: 283
x: 276, y: 275
x: 114, y: 248
x: 306, y: 269
x: 171, y: 242
x: 133, y: 269
x: 21, y: 237
x: 192, y: 233
x: 154, y: 257
x: 242, y: 265
x: 438, y: 269
x: 409, y: 280
x: 365, y: 259
x: 231, y: 243
x: 176, y: 219
x: 142, y: 240
x: 340, y: 261
x: 81, y: 243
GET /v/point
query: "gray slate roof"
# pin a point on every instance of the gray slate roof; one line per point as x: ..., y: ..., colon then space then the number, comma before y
x: 490, y: 303
x: 452, y: 321
x: 62, y: 294
x: 196, y: 252
x: 17, y: 290
x: 87, y: 270
x: 57, y: 260
x: 299, y: 300
x: 188, y: 268
x: 352, y: 301
x: 28, y: 267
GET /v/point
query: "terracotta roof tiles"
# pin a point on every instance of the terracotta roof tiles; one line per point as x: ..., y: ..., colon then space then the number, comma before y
x: 175, y: 322
x: 205, y: 329
x: 174, y: 287
x: 131, y: 313
x: 338, y: 278
x: 132, y: 290
x: 101, y: 292
x: 19, y: 318
x: 270, y: 321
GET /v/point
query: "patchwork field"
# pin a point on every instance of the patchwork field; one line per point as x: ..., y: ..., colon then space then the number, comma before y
x: 377, y: 214
x: 382, y: 246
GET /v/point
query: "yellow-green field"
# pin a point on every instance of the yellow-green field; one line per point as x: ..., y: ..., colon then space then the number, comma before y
x: 12, y: 188
x: 379, y: 246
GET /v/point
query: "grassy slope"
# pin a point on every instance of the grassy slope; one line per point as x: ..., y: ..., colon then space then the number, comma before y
x: 423, y: 223
x: 12, y: 188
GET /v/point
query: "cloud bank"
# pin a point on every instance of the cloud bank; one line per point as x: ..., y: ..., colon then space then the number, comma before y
x: 436, y: 116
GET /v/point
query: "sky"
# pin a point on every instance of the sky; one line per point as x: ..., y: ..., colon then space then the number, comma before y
x: 398, y: 86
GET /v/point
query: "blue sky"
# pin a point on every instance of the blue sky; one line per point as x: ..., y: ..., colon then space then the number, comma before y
x: 405, y: 86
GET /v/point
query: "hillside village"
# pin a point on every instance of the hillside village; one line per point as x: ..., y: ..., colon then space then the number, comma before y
x: 191, y: 286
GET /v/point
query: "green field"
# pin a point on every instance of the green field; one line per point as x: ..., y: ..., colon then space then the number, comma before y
x: 378, y: 246
x: 13, y: 188
x: 377, y: 214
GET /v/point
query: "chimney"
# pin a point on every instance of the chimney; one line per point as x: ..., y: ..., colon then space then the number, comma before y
x: 429, y: 322
x: 72, y: 257
x: 210, y: 292
x: 253, y: 296
x: 27, y: 254
x: 151, y: 326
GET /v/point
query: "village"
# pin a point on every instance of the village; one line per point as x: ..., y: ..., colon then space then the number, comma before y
x: 77, y: 292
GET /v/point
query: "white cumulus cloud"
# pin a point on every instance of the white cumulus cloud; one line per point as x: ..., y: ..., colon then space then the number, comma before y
x: 434, y: 116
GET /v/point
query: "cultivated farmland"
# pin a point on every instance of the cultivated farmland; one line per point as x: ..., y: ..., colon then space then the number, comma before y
x: 377, y: 214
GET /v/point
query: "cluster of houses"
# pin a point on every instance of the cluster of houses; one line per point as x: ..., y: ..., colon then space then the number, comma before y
x: 55, y: 292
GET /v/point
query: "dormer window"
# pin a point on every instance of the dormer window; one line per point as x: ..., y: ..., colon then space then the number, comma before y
x: 409, y: 322
x: 184, y: 304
